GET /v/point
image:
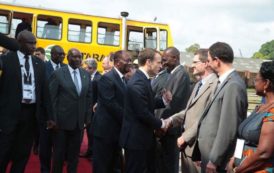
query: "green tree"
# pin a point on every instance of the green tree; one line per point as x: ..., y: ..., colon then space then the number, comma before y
x: 266, y: 51
x: 193, y: 48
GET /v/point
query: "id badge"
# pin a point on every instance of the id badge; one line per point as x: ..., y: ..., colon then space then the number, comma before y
x: 239, y: 148
x: 27, y: 92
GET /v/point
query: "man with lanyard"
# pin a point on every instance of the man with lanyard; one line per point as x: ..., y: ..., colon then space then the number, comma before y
x: 22, y: 90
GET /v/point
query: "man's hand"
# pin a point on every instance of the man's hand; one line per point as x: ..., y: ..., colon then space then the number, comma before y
x: 167, y: 96
x: 181, y: 143
x: 94, y: 107
x: 167, y: 124
x: 211, y: 168
x: 51, y: 125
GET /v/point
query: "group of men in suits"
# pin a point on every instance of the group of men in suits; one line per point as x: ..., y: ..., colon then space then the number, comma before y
x: 51, y: 97
x: 60, y: 98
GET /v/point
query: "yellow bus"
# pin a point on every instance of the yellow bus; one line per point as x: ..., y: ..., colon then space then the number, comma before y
x: 94, y: 36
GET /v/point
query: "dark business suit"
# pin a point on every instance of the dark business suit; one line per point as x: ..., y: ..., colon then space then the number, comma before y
x: 179, y: 84
x: 18, y: 121
x: 107, y: 122
x: 96, y: 78
x: 159, y: 82
x: 70, y: 111
x: 45, y: 136
x: 137, y: 134
x: 220, y: 121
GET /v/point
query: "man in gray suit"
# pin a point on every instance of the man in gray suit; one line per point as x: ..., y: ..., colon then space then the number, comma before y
x: 190, y: 116
x: 178, y: 83
x: 70, y: 95
x: 227, y: 108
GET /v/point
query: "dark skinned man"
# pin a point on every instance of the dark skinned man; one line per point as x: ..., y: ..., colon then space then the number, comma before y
x: 22, y: 90
x: 70, y: 96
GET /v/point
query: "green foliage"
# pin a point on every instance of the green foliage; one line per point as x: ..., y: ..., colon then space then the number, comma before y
x: 266, y: 51
x: 193, y: 48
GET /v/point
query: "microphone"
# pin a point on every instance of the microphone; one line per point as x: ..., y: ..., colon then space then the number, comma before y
x: 8, y: 43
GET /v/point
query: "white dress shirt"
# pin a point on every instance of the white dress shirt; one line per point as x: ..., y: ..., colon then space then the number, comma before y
x: 71, y: 70
x: 22, y: 60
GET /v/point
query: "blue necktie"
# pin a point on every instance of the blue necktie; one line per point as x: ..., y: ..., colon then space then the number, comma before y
x: 75, y: 80
x: 198, y: 88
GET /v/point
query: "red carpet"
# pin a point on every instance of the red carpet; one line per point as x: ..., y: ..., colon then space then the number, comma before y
x: 84, y: 165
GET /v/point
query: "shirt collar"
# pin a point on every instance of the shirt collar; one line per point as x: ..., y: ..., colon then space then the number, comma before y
x: 93, y: 74
x: 175, y: 69
x: 146, y: 74
x: 206, y: 78
x: 223, y: 77
x: 119, y: 73
x: 21, y: 55
x: 71, y: 69
x: 53, y: 64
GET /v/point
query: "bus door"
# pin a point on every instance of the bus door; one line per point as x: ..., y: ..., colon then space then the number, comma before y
x: 21, y: 21
x: 151, y: 38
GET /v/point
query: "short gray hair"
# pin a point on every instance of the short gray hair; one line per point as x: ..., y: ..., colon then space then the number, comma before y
x: 90, y: 62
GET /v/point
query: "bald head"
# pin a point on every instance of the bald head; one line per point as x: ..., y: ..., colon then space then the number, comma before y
x: 27, y: 42
x: 173, y: 51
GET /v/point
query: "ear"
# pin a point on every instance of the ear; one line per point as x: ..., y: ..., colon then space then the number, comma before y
x: 267, y: 84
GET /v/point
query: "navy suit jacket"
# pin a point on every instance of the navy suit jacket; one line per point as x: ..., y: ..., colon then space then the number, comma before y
x: 139, y: 121
x: 108, y: 117
x: 49, y: 69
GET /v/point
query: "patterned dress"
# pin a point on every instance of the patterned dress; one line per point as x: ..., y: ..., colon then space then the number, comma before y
x: 250, y: 130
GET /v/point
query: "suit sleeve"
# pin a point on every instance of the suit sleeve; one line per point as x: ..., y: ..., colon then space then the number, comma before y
x: 178, y: 118
x: 53, y: 93
x: 89, y: 102
x: 180, y: 92
x: 139, y: 99
x: 233, y: 112
x: 106, y: 90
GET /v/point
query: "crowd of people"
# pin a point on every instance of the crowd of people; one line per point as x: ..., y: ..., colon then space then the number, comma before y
x: 138, y: 118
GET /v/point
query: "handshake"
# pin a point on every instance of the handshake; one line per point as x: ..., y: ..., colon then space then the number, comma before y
x: 166, y: 124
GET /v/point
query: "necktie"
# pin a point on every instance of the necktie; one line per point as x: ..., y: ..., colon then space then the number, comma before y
x: 217, y: 86
x: 75, y: 80
x: 124, y: 80
x: 27, y: 67
x: 198, y: 88
x: 57, y: 66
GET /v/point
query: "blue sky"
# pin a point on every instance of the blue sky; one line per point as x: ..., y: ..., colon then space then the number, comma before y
x: 244, y: 24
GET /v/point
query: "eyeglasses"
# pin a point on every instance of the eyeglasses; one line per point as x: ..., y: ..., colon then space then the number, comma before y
x: 195, y: 62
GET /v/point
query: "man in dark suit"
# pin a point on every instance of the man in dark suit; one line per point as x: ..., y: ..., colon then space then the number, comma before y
x: 222, y: 116
x: 24, y: 25
x: 22, y: 90
x: 46, y: 135
x: 178, y: 83
x: 90, y: 65
x: 109, y: 115
x: 139, y: 123
x: 71, y: 97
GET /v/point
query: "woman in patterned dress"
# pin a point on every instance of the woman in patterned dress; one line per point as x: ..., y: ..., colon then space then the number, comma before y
x: 258, y: 129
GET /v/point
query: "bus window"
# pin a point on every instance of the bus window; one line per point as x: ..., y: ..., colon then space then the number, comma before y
x: 151, y: 38
x: 163, y: 39
x: 79, y: 31
x: 135, y: 38
x: 20, y: 21
x: 4, y: 21
x: 49, y: 27
x: 108, y: 34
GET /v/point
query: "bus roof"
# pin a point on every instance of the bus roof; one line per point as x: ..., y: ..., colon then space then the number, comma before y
x: 73, y: 12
